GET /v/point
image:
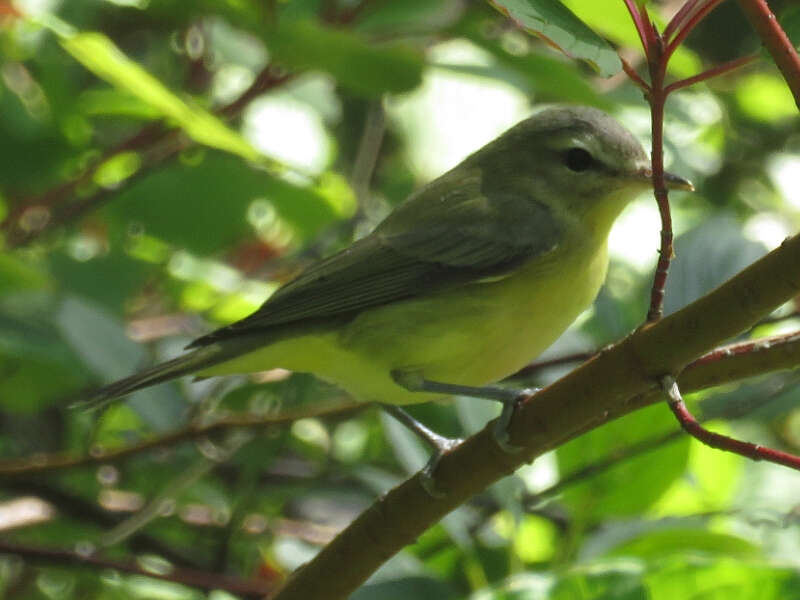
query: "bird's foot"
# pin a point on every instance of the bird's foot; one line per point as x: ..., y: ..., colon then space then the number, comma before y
x: 504, y: 420
x: 415, y: 382
x: 439, y: 444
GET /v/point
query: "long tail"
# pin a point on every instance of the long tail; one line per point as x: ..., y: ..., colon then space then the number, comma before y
x: 183, y: 365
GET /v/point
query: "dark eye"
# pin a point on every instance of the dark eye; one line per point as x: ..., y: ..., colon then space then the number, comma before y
x: 578, y: 159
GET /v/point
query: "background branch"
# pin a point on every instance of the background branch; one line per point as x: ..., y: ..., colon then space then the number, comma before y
x: 190, y: 577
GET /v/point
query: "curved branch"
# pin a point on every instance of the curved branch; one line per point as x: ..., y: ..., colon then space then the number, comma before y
x: 616, y: 382
x: 40, y: 463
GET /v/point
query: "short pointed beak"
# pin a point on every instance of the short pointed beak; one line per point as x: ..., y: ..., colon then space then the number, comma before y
x: 674, y: 182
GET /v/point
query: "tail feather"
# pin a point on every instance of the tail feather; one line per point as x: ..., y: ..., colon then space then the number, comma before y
x: 171, y: 369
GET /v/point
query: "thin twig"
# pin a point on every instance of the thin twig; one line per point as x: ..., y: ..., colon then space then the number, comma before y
x: 41, y: 463
x: 749, y: 347
x: 634, y: 76
x: 637, y: 449
x: 701, y: 14
x: 657, y: 98
x: 679, y: 17
x: 725, y: 67
x: 367, y: 156
x: 717, y: 440
x: 189, y: 577
x: 87, y: 512
x: 604, y: 464
x: 187, y: 477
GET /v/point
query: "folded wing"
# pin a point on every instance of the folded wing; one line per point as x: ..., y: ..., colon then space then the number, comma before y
x: 441, y: 237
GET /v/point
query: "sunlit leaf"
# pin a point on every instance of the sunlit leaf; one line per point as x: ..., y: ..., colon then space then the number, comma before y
x: 202, y: 204
x: 559, y: 26
x: 364, y: 68
x: 630, y: 485
x: 657, y: 544
x: 100, y: 55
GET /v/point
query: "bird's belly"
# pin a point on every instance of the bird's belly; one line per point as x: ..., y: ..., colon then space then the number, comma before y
x: 483, y: 332
x: 472, y: 335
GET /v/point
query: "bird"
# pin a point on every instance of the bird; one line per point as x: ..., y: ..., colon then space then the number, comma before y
x: 464, y: 283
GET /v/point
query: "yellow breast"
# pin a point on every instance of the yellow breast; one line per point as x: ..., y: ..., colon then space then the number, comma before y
x: 473, y: 335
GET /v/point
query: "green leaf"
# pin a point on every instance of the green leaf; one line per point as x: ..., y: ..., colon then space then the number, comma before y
x: 612, y: 20
x: 37, y: 368
x: 202, y: 205
x: 633, y: 484
x: 18, y: 274
x: 108, y: 278
x: 724, y: 250
x: 548, y: 77
x: 98, y: 338
x: 684, y: 540
x: 606, y: 580
x: 101, y: 56
x: 698, y: 579
x: 765, y: 97
x: 365, y: 69
x: 409, y: 15
x: 559, y: 26
x: 420, y: 588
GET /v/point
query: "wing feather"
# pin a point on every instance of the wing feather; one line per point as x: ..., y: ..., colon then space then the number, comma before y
x: 440, y: 237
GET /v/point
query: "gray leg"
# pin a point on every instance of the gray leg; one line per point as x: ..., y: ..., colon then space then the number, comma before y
x: 414, y: 382
x: 438, y: 444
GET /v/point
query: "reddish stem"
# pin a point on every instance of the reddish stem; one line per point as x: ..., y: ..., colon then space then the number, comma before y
x: 776, y: 41
x: 679, y: 17
x: 719, y: 441
x: 691, y: 24
x: 638, y: 23
x: 745, y: 348
x: 634, y: 76
x: 713, y: 72
x: 657, y: 98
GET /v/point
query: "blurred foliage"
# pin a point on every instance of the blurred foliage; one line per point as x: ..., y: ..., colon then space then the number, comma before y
x: 165, y: 165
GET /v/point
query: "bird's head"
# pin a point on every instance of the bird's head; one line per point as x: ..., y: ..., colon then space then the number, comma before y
x: 578, y: 160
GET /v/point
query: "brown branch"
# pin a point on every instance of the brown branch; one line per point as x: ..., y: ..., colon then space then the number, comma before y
x: 41, y: 463
x: 776, y: 41
x: 722, y: 365
x: 189, y: 577
x: 614, y: 383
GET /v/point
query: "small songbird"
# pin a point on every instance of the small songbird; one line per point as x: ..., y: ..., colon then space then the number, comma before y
x: 463, y: 284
